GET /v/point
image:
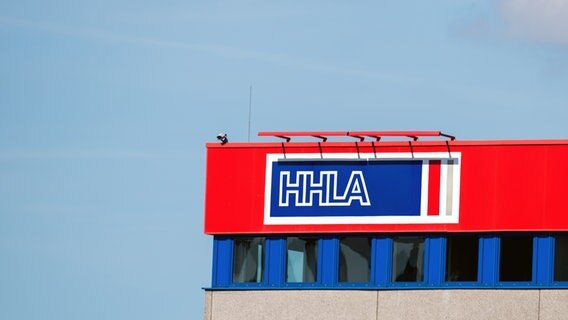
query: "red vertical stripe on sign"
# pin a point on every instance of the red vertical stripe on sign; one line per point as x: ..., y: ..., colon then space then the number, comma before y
x: 434, y: 188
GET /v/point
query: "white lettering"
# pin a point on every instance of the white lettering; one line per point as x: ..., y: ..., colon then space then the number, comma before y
x: 306, y: 187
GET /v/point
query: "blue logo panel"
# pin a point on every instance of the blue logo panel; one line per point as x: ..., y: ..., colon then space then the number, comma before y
x: 345, y: 188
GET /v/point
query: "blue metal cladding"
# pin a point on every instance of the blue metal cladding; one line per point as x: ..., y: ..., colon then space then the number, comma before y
x: 383, y: 254
x: 346, y: 188
x: 489, y: 262
x: 544, y: 266
x: 381, y: 265
x: 222, y: 261
x: 330, y: 261
x: 434, y: 263
x: 276, y: 261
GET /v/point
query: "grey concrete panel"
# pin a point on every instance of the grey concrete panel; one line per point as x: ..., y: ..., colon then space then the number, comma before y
x: 304, y: 305
x: 553, y: 304
x: 208, y: 300
x: 391, y: 305
x: 458, y: 304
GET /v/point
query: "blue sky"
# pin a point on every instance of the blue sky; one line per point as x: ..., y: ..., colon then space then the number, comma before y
x: 106, y: 106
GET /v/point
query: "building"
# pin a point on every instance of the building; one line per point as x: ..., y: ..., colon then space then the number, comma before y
x: 356, y: 225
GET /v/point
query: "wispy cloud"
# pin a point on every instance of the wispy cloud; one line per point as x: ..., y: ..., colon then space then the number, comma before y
x: 210, y: 48
x: 542, y: 20
x: 221, y: 12
x: 481, y: 93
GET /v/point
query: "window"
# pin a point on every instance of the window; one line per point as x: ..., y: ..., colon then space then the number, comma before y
x: 248, y: 260
x: 301, y: 259
x: 462, y: 255
x: 516, y: 258
x: 354, y: 259
x: 408, y: 259
x: 561, y: 258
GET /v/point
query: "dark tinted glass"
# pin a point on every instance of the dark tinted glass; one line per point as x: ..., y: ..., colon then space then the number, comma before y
x: 561, y: 258
x: 301, y: 259
x: 408, y: 259
x: 462, y: 254
x: 355, y: 259
x: 516, y: 258
x: 248, y: 260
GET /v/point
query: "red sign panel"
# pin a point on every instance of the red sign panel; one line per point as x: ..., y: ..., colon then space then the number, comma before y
x: 412, y: 186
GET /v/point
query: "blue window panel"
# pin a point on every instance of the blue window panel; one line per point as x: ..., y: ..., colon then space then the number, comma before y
x: 434, y: 261
x: 275, y: 261
x: 329, y: 261
x: 222, y: 261
x: 489, y: 260
x: 544, y: 264
x: 382, y: 259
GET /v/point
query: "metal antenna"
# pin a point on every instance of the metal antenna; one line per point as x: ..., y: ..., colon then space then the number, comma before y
x: 250, y: 110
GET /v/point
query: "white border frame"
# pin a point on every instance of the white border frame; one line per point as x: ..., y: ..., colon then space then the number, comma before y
x: 445, y: 216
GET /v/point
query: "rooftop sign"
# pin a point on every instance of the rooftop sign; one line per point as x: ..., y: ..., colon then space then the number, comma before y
x: 352, y: 188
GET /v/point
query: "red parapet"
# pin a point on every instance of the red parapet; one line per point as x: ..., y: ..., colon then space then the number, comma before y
x: 512, y: 185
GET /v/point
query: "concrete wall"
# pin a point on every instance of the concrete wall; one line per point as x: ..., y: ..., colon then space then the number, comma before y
x: 388, y: 304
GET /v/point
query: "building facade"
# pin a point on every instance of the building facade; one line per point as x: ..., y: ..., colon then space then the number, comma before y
x: 366, y: 227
